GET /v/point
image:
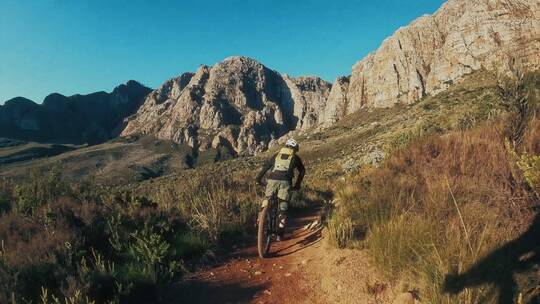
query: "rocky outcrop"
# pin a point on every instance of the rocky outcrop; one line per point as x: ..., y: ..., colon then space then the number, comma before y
x: 245, y: 106
x: 436, y: 51
x: 309, y: 95
x: 77, y: 119
x: 336, y: 105
x: 242, y: 106
x: 238, y: 104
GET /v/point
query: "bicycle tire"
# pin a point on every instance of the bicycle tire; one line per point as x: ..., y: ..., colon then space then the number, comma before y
x: 263, y: 232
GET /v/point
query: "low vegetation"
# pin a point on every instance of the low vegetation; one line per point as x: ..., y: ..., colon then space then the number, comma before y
x: 453, y: 214
x: 454, y: 195
x: 68, y: 243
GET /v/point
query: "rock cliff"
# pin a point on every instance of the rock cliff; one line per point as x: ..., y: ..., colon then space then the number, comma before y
x: 435, y: 51
x: 239, y: 104
x: 244, y: 106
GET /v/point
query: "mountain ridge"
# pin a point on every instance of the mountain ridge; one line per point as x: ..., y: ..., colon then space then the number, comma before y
x: 243, y: 106
x: 77, y: 119
x: 238, y: 103
x: 423, y: 58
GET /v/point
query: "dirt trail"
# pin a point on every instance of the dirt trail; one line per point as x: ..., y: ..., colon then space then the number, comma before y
x: 302, y: 269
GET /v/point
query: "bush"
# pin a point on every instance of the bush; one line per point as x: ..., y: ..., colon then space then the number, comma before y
x: 39, y: 190
x: 441, y: 205
x: 530, y: 167
x: 81, y: 243
x: 220, y: 208
x: 6, y: 189
x: 516, y: 98
x: 340, y: 232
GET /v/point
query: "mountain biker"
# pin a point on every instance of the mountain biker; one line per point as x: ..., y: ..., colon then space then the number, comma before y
x: 282, y: 165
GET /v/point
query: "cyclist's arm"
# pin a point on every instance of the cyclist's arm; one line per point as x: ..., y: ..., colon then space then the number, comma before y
x: 301, y: 172
x: 267, y: 166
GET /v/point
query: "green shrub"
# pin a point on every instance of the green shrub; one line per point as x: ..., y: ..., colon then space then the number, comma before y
x: 401, y: 140
x: 340, y: 231
x: 530, y: 167
x: 6, y: 190
x: 42, y: 188
x: 466, y: 121
x: 189, y: 245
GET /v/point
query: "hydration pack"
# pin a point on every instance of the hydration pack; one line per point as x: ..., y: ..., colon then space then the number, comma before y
x: 284, y: 159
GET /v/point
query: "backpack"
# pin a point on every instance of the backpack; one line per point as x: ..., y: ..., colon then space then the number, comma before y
x: 284, y: 159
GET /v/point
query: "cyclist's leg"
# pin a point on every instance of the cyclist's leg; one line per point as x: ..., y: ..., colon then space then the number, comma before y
x: 272, y: 187
x: 284, y: 196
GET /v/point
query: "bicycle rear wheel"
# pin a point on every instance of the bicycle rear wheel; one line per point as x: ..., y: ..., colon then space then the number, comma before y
x: 264, y: 232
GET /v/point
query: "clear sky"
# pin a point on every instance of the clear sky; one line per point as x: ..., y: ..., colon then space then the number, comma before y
x: 82, y: 46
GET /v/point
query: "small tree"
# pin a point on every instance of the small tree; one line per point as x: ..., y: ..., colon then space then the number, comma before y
x: 515, y: 98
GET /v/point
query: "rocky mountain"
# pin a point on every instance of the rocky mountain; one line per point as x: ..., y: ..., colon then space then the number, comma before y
x: 77, y: 119
x: 238, y: 104
x: 438, y: 50
x: 242, y: 105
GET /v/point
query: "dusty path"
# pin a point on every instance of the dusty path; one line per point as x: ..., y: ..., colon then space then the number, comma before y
x: 302, y: 269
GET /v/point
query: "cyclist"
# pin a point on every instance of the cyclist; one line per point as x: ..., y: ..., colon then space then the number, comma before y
x: 280, y: 178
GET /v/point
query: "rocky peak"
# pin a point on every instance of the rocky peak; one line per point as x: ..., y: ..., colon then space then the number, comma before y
x: 130, y: 88
x: 437, y: 50
x: 242, y: 105
x: 336, y: 105
x: 238, y: 104
x: 19, y: 102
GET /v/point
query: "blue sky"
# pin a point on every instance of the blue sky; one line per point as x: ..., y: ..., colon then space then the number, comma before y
x: 82, y: 46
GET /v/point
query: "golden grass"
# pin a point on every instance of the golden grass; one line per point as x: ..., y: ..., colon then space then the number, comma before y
x: 439, y: 206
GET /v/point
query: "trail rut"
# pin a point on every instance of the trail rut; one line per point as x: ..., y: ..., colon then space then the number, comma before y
x: 301, y: 269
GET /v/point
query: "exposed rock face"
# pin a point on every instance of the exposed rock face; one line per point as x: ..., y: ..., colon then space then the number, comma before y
x: 77, y: 119
x: 238, y: 104
x: 242, y: 106
x: 336, y: 105
x: 436, y: 51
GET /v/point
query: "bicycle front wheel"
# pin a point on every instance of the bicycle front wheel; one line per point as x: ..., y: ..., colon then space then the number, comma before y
x: 264, y: 232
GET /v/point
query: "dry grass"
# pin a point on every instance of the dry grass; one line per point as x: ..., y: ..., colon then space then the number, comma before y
x: 440, y: 206
x: 402, y: 210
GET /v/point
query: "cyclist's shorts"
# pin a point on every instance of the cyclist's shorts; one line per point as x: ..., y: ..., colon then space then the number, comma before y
x: 279, y: 187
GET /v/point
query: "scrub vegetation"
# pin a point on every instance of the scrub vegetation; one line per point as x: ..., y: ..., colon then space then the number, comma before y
x: 438, y: 192
x: 453, y: 214
x: 67, y: 243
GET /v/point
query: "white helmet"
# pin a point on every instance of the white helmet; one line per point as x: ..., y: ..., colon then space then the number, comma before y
x: 292, y: 143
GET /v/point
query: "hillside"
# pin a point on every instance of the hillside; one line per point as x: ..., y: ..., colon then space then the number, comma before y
x: 77, y: 119
x: 245, y: 107
x: 237, y: 104
x: 422, y: 181
x: 211, y: 210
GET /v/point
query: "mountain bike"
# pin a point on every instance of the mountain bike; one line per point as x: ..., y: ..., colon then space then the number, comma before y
x: 267, y: 225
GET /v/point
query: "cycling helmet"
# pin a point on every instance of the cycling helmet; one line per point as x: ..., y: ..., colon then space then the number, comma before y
x: 291, y: 143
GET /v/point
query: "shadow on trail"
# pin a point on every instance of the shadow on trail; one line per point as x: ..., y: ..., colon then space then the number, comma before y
x: 233, y: 279
x: 498, y: 269
x: 298, y: 235
x: 310, y: 239
x: 208, y: 292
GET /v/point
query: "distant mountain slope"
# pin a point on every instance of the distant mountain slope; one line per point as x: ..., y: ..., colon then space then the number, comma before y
x: 434, y: 51
x: 77, y: 119
x: 244, y: 106
x: 239, y: 104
